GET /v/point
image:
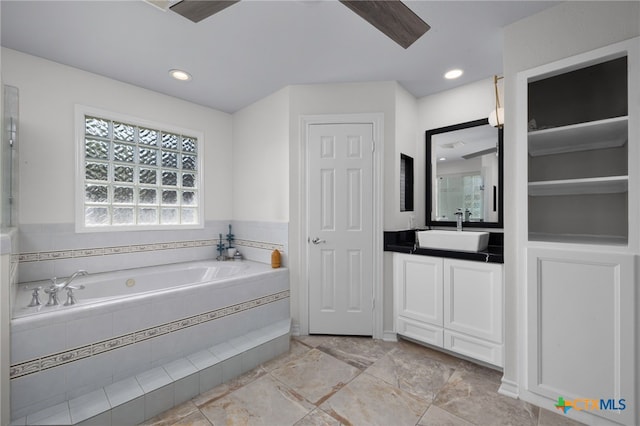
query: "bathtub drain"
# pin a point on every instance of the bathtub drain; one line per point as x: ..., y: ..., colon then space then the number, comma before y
x: 130, y: 282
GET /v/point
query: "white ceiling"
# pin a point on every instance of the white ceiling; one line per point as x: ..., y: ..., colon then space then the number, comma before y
x: 256, y: 47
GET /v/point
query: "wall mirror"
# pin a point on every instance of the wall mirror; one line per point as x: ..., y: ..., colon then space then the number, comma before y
x: 464, y: 171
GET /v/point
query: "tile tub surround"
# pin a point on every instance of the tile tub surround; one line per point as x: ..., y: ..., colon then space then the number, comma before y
x: 135, y: 399
x: 256, y: 240
x: 378, y: 388
x: 88, y: 348
x: 48, y: 250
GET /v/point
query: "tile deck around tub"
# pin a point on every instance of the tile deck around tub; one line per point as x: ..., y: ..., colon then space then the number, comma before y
x: 135, y: 399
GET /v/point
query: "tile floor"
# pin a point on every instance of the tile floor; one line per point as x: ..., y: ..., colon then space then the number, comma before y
x: 329, y: 380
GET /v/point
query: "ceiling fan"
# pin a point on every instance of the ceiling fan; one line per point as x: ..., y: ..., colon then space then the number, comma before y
x: 392, y: 17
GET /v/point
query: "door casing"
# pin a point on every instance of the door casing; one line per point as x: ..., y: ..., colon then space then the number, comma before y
x: 377, y: 120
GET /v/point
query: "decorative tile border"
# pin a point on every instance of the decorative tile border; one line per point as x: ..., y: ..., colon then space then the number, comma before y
x: 259, y: 245
x: 135, y: 248
x: 54, y: 360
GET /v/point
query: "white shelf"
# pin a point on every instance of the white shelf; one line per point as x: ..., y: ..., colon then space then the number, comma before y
x: 599, y: 185
x: 609, y: 133
x: 578, y: 239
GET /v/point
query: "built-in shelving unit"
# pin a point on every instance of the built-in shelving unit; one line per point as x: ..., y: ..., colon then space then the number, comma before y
x: 578, y: 155
x: 578, y: 162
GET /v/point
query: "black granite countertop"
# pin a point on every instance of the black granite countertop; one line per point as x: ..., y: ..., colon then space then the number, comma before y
x: 404, y: 242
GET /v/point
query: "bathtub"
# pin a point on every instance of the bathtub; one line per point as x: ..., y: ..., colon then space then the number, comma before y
x: 104, y: 288
x: 127, y: 322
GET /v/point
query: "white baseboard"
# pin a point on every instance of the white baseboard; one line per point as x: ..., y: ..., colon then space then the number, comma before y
x: 295, y: 328
x: 389, y: 336
x: 509, y: 388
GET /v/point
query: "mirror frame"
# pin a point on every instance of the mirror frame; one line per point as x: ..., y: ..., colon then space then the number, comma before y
x: 429, y: 190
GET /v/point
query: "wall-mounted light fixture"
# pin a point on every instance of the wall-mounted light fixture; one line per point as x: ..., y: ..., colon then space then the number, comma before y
x: 496, y: 116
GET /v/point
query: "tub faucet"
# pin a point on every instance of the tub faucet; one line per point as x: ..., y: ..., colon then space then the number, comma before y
x: 459, y: 219
x: 66, y: 283
x: 53, y: 289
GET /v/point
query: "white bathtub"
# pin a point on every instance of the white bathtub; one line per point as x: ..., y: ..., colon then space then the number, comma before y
x: 130, y: 321
x: 107, y: 287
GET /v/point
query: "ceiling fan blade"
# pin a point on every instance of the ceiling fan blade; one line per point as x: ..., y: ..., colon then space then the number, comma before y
x: 392, y: 17
x: 197, y: 10
x: 480, y: 153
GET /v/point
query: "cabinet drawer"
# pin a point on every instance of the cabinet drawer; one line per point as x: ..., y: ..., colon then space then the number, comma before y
x: 475, y: 348
x: 419, y: 331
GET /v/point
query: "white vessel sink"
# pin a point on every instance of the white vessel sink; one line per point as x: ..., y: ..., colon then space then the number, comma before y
x: 453, y: 240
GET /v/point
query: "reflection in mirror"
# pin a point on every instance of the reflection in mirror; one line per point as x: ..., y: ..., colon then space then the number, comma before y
x: 464, y: 173
x: 9, y: 158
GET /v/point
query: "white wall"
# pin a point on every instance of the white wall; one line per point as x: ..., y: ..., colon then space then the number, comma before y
x: 405, y: 143
x: 465, y: 103
x: 261, y: 160
x: 48, y: 92
x: 333, y: 99
x: 406, y: 139
x: 558, y: 32
x: 406, y: 120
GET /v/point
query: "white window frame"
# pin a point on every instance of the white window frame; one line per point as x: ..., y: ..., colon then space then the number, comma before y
x: 80, y: 112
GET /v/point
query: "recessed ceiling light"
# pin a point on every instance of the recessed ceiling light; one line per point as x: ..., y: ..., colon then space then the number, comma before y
x: 442, y: 158
x: 180, y: 75
x: 450, y: 75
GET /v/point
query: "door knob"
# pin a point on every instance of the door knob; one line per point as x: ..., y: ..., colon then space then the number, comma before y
x: 317, y: 240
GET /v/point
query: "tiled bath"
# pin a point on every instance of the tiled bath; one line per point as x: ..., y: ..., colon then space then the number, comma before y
x: 87, y: 351
x: 87, y: 348
x: 134, y: 399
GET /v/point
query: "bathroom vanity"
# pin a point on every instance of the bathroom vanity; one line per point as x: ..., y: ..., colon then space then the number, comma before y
x: 448, y: 282
x: 448, y: 298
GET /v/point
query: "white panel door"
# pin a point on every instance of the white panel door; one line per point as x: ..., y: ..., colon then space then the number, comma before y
x: 340, y: 229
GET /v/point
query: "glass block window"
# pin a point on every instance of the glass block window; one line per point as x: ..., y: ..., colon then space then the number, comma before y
x: 138, y: 176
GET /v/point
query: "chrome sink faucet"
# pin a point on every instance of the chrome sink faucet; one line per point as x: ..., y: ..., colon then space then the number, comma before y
x: 459, y: 214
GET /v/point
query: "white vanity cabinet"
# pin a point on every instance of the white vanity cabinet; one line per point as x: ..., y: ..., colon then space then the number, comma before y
x: 450, y: 303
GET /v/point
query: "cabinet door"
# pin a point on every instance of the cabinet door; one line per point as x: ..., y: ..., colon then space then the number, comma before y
x: 580, y: 323
x: 473, y: 299
x: 418, y: 288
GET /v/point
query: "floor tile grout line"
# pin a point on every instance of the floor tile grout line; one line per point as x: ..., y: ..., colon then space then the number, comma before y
x: 457, y: 367
x: 314, y: 404
x: 388, y: 354
x: 305, y: 348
